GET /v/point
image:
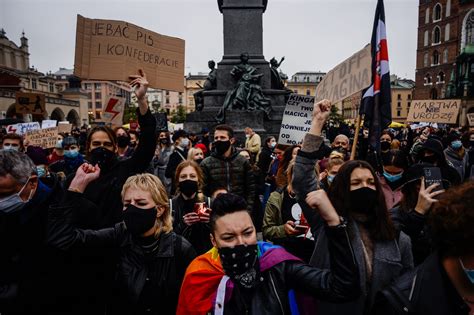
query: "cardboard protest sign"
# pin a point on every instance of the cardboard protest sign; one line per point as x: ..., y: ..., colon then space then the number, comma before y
x: 349, y: 77
x: 23, y: 128
x: 48, y: 123
x: 296, y: 119
x: 113, y: 110
x: 470, y: 118
x: 45, y: 138
x: 64, y: 127
x: 30, y: 103
x: 113, y: 50
x: 438, y: 111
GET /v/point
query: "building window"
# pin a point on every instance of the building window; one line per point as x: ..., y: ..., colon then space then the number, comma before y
x: 441, y: 77
x: 308, y: 92
x: 89, y: 105
x: 180, y: 101
x: 87, y: 86
x: 448, y: 8
x: 97, y: 114
x: 408, y: 104
x: 167, y: 100
x: 51, y: 87
x: 409, y: 96
x: 445, y: 56
x: 167, y: 93
x: 437, y: 13
x: 469, y: 29
x: 399, y: 97
x: 435, y: 58
x: 434, y: 94
x: 399, y: 104
x: 426, y: 39
x: 97, y: 86
x: 425, y: 60
x: 34, y: 84
x: 427, y: 16
x: 180, y: 93
x: 98, y: 105
x: 428, y: 80
x: 399, y: 113
x: 436, y: 35
x: 13, y: 59
x: 447, y: 31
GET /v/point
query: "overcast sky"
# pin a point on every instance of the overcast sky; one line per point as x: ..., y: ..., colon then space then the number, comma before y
x: 313, y: 35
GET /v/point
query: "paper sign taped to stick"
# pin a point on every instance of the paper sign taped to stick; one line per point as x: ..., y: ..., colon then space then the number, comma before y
x: 113, y: 50
x: 48, y: 123
x: 23, y: 128
x: 45, y: 138
x: 30, y: 103
x: 64, y: 127
x: 470, y: 118
x: 296, y: 119
x: 439, y: 111
x: 113, y: 110
x: 349, y: 77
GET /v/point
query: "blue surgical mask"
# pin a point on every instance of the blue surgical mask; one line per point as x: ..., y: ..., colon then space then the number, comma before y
x: 273, y: 144
x: 71, y: 154
x: 330, y: 178
x: 469, y: 272
x: 456, y: 145
x: 14, y: 203
x: 392, y: 178
x: 10, y: 147
x: 41, y: 171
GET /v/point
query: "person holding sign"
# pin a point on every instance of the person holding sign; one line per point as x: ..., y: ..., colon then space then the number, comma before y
x: 101, y: 205
x: 381, y: 253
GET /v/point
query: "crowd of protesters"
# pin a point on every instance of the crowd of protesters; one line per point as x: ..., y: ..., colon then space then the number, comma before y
x: 146, y: 222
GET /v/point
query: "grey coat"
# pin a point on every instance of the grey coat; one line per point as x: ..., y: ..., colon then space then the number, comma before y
x: 390, y: 258
x: 460, y: 164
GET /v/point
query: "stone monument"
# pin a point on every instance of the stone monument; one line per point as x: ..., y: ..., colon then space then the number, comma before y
x: 248, y: 90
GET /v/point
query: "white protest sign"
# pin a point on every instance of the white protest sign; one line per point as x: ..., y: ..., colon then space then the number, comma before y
x: 470, y: 118
x: 48, y: 124
x: 347, y: 78
x: 113, y: 110
x: 296, y: 119
x: 436, y: 111
x: 23, y: 128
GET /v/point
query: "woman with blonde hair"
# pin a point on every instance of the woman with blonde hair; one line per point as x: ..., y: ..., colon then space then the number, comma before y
x: 196, y: 155
x: 152, y: 259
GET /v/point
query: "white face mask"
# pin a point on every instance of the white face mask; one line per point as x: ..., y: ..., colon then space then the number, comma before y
x: 14, y: 202
x: 184, y: 143
x: 10, y: 147
x: 247, y: 136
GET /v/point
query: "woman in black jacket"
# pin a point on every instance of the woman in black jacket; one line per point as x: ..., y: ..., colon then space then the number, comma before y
x: 152, y: 259
x: 186, y: 222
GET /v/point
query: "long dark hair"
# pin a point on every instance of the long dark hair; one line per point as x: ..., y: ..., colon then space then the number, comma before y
x: 382, y: 227
x: 287, y: 156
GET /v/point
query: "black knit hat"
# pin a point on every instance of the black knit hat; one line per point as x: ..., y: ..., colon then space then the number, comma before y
x: 68, y: 141
x: 453, y: 136
x: 37, y: 155
x: 179, y: 134
x: 434, y: 146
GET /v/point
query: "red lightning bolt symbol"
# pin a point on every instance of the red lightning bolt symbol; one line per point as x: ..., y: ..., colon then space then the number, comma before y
x: 110, y: 107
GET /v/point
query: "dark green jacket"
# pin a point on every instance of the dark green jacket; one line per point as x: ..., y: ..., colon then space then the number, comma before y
x: 233, y: 173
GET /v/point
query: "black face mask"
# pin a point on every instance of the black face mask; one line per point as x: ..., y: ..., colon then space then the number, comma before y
x: 385, y: 146
x: 188, y: 187
x: 363, y: 200
x: 240, y: 263
x: 102, y: 157
x: 123, y: 141
x: 138, y: 220
x: 198, y: 161
x: 221, y: 147
x: 431, y: 159
x: 164, y: 141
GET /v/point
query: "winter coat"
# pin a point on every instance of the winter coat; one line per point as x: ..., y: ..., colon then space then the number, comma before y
x: 198, y: 233
x: 390, y: 258
x: 25, y: 282
x: 139, y: 275
x: 461, y: 164
x: 233, y: 173
x: 179, y: 155
x: 424, y: 290
x: 159, y: 164
x: 392, y: 196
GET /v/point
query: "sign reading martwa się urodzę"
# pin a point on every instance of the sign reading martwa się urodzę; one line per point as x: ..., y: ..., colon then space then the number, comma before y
x: 435, y: 111
x: 113, y: 50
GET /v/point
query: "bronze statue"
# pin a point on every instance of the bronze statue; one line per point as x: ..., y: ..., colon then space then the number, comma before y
x: 247, y: 94
x: 209, y: 84
x: 278, y: 78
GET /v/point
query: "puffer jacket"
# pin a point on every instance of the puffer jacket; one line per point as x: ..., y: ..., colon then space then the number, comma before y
x: 160, y: 272
x: 234, y: 173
